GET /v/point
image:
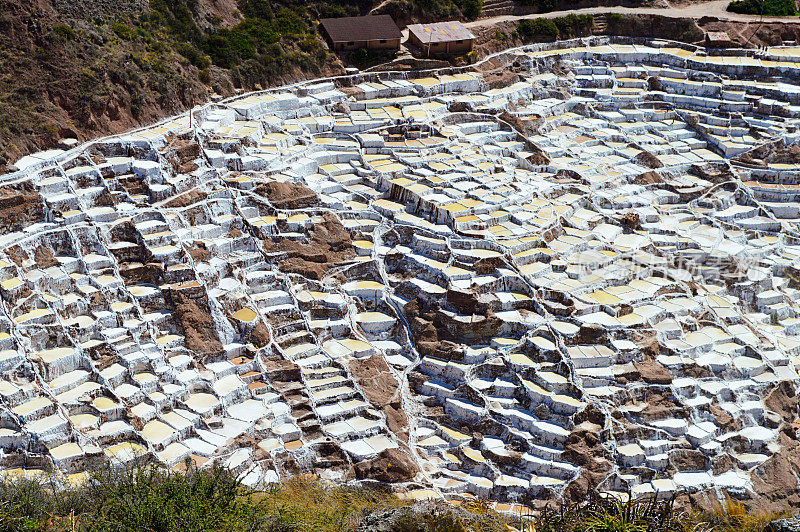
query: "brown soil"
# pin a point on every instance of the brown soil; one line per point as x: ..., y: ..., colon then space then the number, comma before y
x: 138, y: 273
x: 774, y: 152
x: 186, y: 199
x: 199, y: 252
x: 17, y: 254
x: 583, y: 448
x: 134, y: 186
x: 380, y: 389
x: 783, y: 401
x: 652, y: 372
x: 775, y: 480
x: 648, y: 159
x: 723, y: 420
x: 391, y: 465
x: 590, y: 333
x: 464, y: 301
x: 98, y: 301
x: 329, y: 244
x: 630, y: 220
x: 498, y: 80
x: 714, y: 174
x: 426, y: 335
x: 330, y: 456
x: 661, y: 405
x: 688, y: 460
x: 194, y: 318
x: 44, y: 258
x: 20, y: 207
x: 181, y: 154
x: 282, y: 370
x: 287, y: 195
x: 648, y: 178
x: 260, y: 335
x: 722, y: 463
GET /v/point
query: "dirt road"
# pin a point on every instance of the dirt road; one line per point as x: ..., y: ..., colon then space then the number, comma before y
x: 716, y: 8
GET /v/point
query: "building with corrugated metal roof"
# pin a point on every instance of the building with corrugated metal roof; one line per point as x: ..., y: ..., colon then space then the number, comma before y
x: 377, y: 32
x: 441, y: 37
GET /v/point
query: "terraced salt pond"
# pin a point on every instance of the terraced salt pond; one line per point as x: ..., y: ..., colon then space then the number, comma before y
x: 597, y: 288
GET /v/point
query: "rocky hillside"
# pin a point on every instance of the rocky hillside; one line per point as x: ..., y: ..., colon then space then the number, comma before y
x: 84, y: 68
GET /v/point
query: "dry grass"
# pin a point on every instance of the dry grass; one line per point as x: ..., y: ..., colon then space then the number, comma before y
x: 156, y: 499
x: 304, y: 503
x: 732, y: 516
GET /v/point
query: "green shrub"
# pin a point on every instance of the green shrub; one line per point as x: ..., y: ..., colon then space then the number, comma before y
x: 64, y: 31
x: 573, y: 25
x: 195, y: 56
x: 610, y: 515
x: 537, y: 29
x: 178, y: 15
x: 332, y: 10
x: 432, y: 9
x: 772, y: 8
x: 156, y: 499
x: 123, y: 31
x: 542, y: 6
x: 615, y: 23
x: 470, y: 8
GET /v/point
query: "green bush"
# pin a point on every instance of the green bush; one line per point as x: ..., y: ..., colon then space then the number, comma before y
x: 537, y: 29
x: 123, y: 31
x: 772, y: 8
x: 256, y: 9
x: 195, y: 56
x: 470, y: 8
x: 544, y: 29
x: 149, y: 498
x: 573, y: 25
x: 332, y: 10
x: 432, y: 9
x: 178, y: 15
x: 157, y: 500
x: 615, y: 23
x: 64, y: 31
x: 542, y: 6
x: 610, y: 515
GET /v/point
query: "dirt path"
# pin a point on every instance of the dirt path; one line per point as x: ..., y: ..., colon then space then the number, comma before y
x: 715, y: 8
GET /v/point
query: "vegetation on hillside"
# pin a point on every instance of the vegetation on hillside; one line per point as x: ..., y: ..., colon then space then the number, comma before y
x: 405, y: 11
x: 60, y: 77
x: 158, y: 500
x: 546, y: 6
x: 772, y: 8
x: 270, y: 40
x: 86, y: 69
x: 155, y: 499
x: 678, y: 29
x: 547, y: 29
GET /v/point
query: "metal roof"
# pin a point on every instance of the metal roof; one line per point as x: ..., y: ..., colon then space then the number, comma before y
x: 440, y: 32
x: 356, y: 29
